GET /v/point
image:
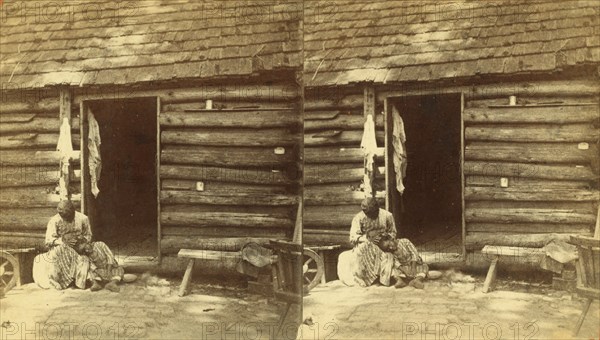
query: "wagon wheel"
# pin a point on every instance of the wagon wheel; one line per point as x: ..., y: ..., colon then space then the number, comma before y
x: 9, y: 269
x: 312, y: 269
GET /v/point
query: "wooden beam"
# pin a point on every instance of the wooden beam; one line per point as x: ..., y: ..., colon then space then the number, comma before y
x: 172, y: 244
x: 232, y: 198
x: 315, y: 195
x: 235, y: 92
x: 316, y: 175
x: 534, y: 114
x: 223, y: 187
x: 228, y: 156
x: 522, y: 170
x: 220, y: 219
x: 32, y: 158
x: 531, y: 152
x: 37, y: 124
x: 335, y: 154
x: 30, y: 197
x: 525, y: 183
x: 236, y: 119
x: 476, y: 241
x: 341, y: 122
x: 43, y: 105
x: 526, y: 215
x: 339, y: 138
x: 19, y: 219
x: 529, y: 228
x: 325, y: 217
x: 551, y: 133
x: 29, y: 176
x: 509, y: 194
x: 369, y: 100
x: 241, y: 175
x: 231, y: 137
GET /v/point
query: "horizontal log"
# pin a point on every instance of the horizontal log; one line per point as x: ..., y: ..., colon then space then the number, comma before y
x: 228, y: 156
x: 529, y: 228
x: 318, y: 101
x: 33, y: 240
x: 509, y: 194
x: 236, y: 92
x: 315, y: 175
x: 232, y: 198
x: 33, y: 140
x: 29, y: 176
x: 322, y: 114
x: 531, y: 152
x: 521, y: 170
x: 550, y: 133
x: 37, y: 124
x: 17, y: 118
x: 317, y: 239
x: 524, y: 183
x: 225, y: 232
x: 228, y: 105
x: 30, y: 158
x: 239, y: 175
x: 222, y: 187
x: 586, y: 207
x: 533, y: 114
x: 231, y: 137
x: 341, y: 138
x: 324, y: 217
x: 534, y: 89
x: 226, y: 119
x: 315, y: 195
x: 540, y: 101
x: 26, y: 219
x: 220, y: 219
x: 173, y: 243
x: 31, y: 197
x: 476, y: 241
x: 341, y: 122
x: 525, y: 215
x: 337, y: 155
x: 199, y: 209
x: 31, y: 105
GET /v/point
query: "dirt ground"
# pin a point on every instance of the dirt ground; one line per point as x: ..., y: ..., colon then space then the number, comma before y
x: 146, y: 309
x: 445, y: 309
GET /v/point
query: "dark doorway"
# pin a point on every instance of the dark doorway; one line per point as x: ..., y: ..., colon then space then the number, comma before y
x: 125, y: 212
x: 430, y: 210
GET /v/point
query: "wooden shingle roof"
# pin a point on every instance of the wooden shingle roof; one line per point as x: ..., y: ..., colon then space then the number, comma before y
x: 348, y: 41
x: 122, y: 42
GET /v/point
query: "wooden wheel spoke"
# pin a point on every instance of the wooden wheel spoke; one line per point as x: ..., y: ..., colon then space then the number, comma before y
x: 312, y: 271
x: 307, y: 279
x: 3, y: 282
x: 4, y: 264
x: 309, y: 261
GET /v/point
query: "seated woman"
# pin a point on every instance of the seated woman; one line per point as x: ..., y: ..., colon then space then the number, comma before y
x: 377, y: 254
x: 73, y: 257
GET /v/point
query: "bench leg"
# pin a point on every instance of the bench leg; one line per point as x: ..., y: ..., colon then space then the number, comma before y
x: 491, y: 276
x: 586, y: 308
x: 187, y: 278
x: 323, y: 278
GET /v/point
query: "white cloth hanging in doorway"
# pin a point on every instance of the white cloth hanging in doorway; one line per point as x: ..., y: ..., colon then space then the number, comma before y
x: 399, y: 144
x: 95, y: 162
x: 369, y: 147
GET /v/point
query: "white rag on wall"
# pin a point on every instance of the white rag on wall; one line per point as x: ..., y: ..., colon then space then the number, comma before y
x: 95, y: 162
x: 369, y: 147
x: 399, y: 144
x: 65, y: 147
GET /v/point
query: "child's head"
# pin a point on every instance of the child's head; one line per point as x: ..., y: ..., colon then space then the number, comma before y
x: 388, y: 244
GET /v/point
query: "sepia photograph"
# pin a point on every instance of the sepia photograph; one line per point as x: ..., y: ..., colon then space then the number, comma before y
x: 300, y: 169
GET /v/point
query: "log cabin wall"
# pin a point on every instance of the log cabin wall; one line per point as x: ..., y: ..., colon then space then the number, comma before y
x: 231, y: 174
x: 334, y: 162
x: 546, y: 146
x: 30, y: 164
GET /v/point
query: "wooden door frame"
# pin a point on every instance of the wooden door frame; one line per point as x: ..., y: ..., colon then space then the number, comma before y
x: 389, y: 164
x: 86, y: 207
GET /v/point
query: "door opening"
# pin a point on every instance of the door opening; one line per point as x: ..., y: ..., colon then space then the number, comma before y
x: 124, y: 214
x: 429, y: 212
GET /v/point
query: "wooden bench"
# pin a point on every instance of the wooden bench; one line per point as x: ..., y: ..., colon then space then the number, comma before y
x: 208, y: 255
x: 497, y: 251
